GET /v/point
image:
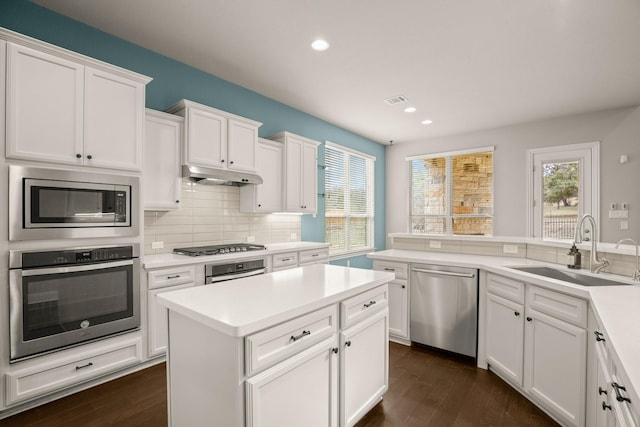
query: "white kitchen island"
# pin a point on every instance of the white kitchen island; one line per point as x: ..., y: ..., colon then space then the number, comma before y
x: 306, y: 346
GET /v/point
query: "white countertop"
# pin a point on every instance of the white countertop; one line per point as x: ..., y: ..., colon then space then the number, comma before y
x: 150, y: 262
x: 617, y: 307
x: 244, y: 306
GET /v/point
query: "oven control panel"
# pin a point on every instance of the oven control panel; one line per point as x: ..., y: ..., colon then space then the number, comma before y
x: 75, y: 256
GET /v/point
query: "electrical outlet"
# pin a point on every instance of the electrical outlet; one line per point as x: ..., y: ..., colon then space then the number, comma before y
x: 624, y: 206
x: 251, y: 239
x: 435, y: 244
x: 509, y: 249
x: 613, y: 206
x: 157, y: 245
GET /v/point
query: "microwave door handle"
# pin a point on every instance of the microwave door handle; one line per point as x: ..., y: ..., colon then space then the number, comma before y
x: 75, y: 268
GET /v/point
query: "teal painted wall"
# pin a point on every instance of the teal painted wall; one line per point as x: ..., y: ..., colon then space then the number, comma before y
x: 173, y: 80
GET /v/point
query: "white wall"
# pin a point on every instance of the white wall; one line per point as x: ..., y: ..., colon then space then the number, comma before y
x: 617, y: 130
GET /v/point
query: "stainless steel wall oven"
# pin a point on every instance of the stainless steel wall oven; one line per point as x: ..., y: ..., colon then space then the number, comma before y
x: 58, y: 204
x: 60, y: 298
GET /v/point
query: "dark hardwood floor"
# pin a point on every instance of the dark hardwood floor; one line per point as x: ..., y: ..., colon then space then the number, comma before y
x: 426, y: 388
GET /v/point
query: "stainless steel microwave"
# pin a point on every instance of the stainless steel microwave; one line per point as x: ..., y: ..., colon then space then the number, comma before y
x: 60, y: 204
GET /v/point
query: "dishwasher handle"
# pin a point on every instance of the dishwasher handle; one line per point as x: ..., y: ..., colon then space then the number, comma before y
x: 443, y: 273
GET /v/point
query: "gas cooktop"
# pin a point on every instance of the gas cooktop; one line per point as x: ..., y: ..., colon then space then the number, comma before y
x: 218, y: 249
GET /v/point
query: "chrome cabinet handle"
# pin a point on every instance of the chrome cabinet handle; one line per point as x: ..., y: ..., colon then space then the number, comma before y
x: 88, y: 365
x: 619, y: 397
x: 369, y: 305
x: 303, y: 334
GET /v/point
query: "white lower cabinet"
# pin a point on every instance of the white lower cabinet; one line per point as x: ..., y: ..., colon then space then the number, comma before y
x: 505, y: 338
x: 328, y: 367
x: 398, y: 300
x: 302, y: 389
x: 364, y: 356
x: 61, y: 371
x: 543, y: 354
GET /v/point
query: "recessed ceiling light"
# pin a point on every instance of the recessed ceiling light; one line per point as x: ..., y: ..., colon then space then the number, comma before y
x: 427, y: 122
x: 410, y: 110
x: 320, y: 45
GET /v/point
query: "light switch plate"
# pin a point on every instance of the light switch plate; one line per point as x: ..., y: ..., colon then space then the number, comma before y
x: 157, y: 245
x: 435, y: 244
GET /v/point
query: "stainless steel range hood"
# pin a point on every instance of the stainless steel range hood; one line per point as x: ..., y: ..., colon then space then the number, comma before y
x: 213, y: 176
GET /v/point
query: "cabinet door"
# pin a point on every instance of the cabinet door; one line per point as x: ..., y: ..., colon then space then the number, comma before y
x: 158, y: 320
x: 555, y: 366
x: 161, y: 170
x: 364, y: 375
x: 44, y: 106
x: 114, y: 121
x: 241, y: 145
x: 293, y: 178
x: 301, y: 390
x: 505, y: 337
x: 309, y: 178
x: 399, y: 309
x: 206, y: 139
x: 269, y: 193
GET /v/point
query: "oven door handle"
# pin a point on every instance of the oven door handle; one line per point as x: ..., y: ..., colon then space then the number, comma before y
x: 223, y: 278
x: 75, y: 268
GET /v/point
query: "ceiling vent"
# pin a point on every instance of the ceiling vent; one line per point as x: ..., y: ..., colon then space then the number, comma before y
x: 394, y: 100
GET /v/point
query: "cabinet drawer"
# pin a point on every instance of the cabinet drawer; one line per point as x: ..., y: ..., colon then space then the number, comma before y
x: 36, y: 381
x: 272, y: 345
x: 506, y: 288
x: 560, y: 306
x: 361, y: 306
x: 399, y: 268
x: 171, y: 277
x: 313, y: 256
x: 287, y: 260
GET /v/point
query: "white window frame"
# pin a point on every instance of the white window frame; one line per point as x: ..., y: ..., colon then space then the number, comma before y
x: 371, y: 231
x: 449, y: 189
x: 588, y: 155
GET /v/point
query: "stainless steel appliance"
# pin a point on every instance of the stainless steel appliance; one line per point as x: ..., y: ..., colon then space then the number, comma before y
x: 214, y: 273
x: 444, y: 307
x: 60, y: 298
x: 58, y: 204
x: 218, y: 249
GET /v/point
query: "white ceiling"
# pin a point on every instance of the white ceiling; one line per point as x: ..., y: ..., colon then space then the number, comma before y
x: 466, y: 65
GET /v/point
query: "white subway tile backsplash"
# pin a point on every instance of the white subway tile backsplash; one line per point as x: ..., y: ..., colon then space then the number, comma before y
x: 210, y: 215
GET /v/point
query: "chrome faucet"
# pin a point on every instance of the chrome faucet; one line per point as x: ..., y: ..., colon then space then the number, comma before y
x: 636, y: 274
x: 595, y: 265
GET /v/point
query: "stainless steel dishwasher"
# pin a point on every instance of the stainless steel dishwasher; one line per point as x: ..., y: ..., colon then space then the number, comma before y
x: 444, y: 307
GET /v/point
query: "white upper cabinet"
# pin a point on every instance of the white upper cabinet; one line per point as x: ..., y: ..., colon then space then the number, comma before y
x: 161, y: 172
x: 66, y: 108
x: 265, y: 197
x: 300, y: 172
x: 217, y: 139
x: 45, y: 96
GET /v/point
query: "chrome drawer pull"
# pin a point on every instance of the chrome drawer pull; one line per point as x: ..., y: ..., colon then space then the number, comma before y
x: 88, y: 365
x: 370, y: 304
x: 303, y: 334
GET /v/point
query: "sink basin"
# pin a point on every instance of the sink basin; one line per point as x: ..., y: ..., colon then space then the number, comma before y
x: 569, y: 276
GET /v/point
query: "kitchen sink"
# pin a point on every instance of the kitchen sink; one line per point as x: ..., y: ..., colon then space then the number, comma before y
x: 569, y: 276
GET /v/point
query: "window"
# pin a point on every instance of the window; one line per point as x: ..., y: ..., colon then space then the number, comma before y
x: 563, y: 185
x: 348, y: 188
x: 452, y: 193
